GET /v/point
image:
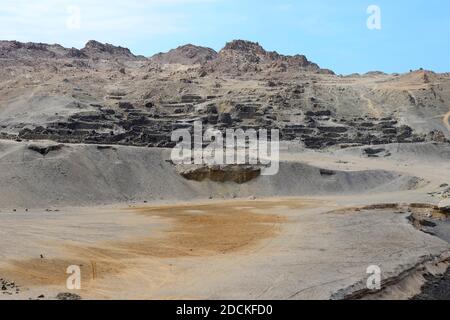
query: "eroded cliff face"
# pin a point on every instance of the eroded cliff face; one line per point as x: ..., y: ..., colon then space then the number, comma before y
x: 223, y: 173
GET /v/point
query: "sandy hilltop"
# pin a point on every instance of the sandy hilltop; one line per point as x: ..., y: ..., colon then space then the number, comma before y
x: 86, y: 177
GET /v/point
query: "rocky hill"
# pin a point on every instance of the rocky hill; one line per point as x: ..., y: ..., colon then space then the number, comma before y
x: 92, y: 50
x: 19, y: 50
x: 105, y: 94
x: 246, y: 56
x: 95, y: 49
x: 186, y: 55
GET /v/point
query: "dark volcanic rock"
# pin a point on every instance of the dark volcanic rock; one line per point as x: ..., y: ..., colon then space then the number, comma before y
x: 436, y: 288
x: 371, y: 151
x: 225, y: 118
x: 68, y: 296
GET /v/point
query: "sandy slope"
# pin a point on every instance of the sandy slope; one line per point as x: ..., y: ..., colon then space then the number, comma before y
x: 81, y: 175
x: 286, y: 248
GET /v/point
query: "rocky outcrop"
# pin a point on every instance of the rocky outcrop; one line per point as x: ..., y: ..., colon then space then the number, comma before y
x: 130, y: 124
x: 95, y: 49
x: 30, y: 50
x: 186, y: 55
x: 245, y: 56
x: 45, y: 149
x: 444, y: 206
x: 223, y: 173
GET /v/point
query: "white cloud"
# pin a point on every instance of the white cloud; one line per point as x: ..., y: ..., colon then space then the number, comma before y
x: 112, y: 20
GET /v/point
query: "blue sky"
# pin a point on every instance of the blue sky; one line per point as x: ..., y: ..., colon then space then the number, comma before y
x: 332, y: 33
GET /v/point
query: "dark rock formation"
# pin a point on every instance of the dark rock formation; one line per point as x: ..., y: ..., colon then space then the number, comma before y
x: 231, y: 173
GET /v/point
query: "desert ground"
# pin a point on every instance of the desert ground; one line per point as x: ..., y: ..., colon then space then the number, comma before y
x: 86, y: 177
x: 315, y: 243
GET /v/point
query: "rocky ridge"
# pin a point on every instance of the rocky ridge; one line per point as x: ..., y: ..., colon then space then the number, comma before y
x: 103, y: 94
x: 187, y: 55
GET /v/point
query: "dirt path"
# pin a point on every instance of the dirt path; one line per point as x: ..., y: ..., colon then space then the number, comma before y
x: 373, y: 110
x: 446, y: 120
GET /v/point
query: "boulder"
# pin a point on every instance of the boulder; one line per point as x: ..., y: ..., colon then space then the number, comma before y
x: 225, y: 118
x: 444, y: 206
